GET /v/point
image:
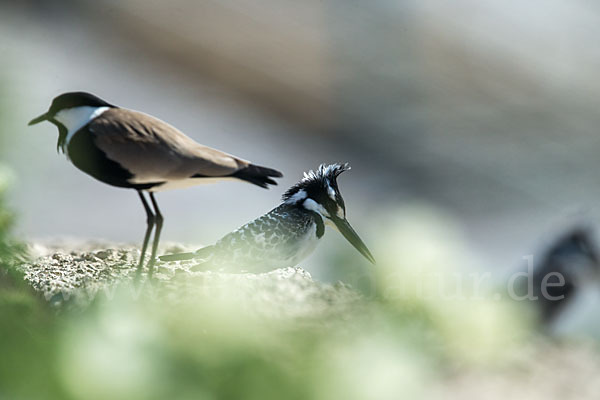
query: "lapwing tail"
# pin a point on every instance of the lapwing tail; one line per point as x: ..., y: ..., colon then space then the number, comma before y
x: 260, y: 176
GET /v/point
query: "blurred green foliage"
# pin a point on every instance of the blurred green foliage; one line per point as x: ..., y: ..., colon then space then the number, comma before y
x: 219, y: 344
x: 26, y: 323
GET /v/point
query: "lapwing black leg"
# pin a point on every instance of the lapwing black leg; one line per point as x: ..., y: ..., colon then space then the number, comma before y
x: 158, y: 218
x: 150, y: 221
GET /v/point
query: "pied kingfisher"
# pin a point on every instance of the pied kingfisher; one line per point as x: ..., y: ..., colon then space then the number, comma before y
x: 287, y: 234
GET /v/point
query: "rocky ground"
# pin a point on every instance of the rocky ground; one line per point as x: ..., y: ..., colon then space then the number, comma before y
x: 70, y: 277
x: 544, y: 371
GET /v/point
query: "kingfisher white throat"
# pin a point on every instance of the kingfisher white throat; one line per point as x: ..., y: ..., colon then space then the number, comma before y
x: 287, y: 234
x: 133, y: 150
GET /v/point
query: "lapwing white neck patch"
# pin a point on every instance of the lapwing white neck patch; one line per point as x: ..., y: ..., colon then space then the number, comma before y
x: 76, y: 118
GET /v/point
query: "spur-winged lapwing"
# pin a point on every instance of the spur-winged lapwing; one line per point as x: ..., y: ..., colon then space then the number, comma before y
x: 133, y: 150
x: 287, y: 234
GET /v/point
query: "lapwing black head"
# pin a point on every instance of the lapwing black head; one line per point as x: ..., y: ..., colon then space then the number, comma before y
x: 130, y: 149
x: 69, y: 103
x: 287, y: 234
x: 70, y: 100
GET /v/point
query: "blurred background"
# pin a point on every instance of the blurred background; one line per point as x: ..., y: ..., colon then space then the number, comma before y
x: 471, y: 127
x: 483, y: 109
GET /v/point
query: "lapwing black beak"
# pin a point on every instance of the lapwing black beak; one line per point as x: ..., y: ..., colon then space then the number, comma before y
x: 350, y: 234
x: 39, y: 119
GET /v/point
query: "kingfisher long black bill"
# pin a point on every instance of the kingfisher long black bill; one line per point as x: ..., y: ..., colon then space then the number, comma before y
x: 39, y: 119
x: 345, y: 229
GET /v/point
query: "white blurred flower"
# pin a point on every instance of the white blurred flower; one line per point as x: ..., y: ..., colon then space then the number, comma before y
x: 428, y: 266
x: 109, y: 355
x: 375, y: 367
x: 7, y: 177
